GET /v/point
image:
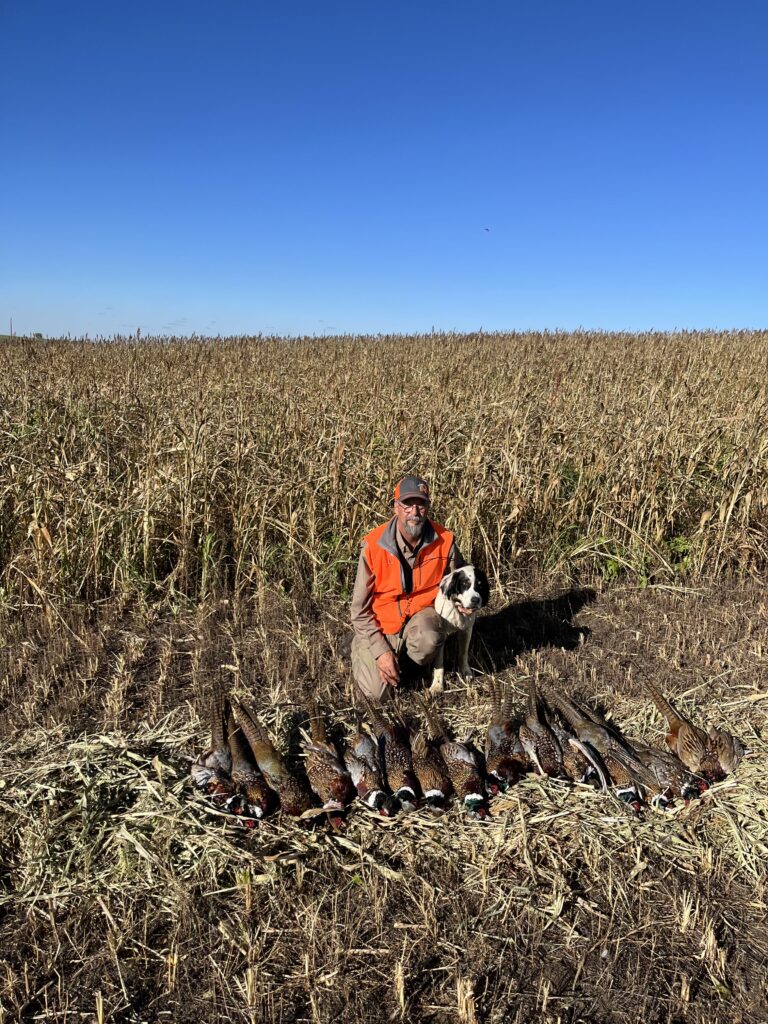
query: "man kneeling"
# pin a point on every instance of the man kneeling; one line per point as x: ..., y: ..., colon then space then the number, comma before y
x: 398, y: 575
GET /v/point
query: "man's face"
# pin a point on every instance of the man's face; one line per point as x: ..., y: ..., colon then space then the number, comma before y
x: 411, y: 516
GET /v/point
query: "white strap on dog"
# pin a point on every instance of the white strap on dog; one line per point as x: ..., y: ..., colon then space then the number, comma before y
x: 447, y: 610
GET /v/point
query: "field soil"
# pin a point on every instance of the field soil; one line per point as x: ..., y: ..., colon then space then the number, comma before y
x: 180, y: 516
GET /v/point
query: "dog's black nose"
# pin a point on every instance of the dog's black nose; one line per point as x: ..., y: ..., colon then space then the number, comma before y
x: 475, y: 601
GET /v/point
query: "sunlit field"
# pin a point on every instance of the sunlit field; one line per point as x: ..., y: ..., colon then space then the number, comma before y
x: 180, y: 515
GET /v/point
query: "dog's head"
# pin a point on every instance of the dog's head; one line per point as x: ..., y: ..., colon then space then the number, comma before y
x: 466, y: 587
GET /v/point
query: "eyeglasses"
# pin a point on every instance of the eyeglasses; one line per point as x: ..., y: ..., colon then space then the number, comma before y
x: 414, y: 505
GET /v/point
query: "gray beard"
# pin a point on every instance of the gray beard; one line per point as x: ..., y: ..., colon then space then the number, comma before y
x: 414, y: 531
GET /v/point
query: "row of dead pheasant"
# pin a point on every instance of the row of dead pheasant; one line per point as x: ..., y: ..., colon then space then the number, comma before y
x: 391, y: 768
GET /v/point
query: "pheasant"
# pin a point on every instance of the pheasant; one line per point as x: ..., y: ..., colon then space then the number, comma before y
x: 668, y: 778
x: 699, y: 752
x: 672, y: 776
x: 728, y: 749
x: 252, y: 798
x: 627, y: 772
x: 294, y: 795
x: 537, y: 738
x: 462, y: 767
x: 398, y: 761
x: 505, y: 759
x: 326, y: 771
x: 212, y: 771
x: 430, y: 771
x: 579, y: 764
x: 362, y: 760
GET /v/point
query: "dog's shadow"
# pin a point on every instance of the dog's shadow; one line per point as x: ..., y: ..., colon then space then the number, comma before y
x: 500, y: 638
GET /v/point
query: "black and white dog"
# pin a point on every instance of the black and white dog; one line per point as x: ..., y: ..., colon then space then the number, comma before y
x: 460, y: 595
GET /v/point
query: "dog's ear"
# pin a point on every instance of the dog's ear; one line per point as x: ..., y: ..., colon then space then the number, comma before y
x: 482, y: 586
x: 457, y: 582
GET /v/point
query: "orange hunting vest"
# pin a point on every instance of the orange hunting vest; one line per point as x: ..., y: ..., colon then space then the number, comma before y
x: 391, y: 606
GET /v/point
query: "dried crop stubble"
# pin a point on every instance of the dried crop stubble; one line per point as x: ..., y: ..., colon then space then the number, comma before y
x: 123, y: 896
x: 570, y: 907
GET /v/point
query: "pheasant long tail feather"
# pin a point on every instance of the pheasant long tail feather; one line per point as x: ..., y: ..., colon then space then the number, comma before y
x: 594, y: 716
x: 239, y: 747
x: 532, y: 706
x: 379, y: 722
x: 496, y: 710
x: 316, y: 724
x: 436, y: 730
x: 673, y: 718
x: 506, y: 706
x: 396, y: 714
x: 573, y: 716
x: 255, y: 733
x: 419, y: 746
x: 219, y: 714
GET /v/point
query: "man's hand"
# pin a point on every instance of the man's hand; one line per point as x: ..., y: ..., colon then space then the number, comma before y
x: 388, y: 668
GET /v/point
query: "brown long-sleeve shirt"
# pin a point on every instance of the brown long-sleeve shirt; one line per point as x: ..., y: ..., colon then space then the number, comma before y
x: 364, y: 623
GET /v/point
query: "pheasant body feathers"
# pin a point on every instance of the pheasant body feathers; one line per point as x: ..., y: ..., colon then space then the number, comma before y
x: 713, y: 756
x: 430, y: 772
x: 252, y: 796
x: 538, y: 740
x: 212, y: 770
x: 293, y: 793
x: 505, y: 759
x: 398, y: 760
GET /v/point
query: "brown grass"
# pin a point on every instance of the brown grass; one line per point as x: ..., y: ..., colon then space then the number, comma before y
x: 170, y: 509
x: 174, y: 469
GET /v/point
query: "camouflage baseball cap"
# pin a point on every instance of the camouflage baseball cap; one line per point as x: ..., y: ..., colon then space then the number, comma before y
x: 412, y: 487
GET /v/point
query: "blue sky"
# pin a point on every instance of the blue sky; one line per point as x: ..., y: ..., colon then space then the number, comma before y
x: 248, y: 167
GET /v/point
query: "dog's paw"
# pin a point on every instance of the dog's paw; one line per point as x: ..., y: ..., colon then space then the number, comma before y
x: 468, y: 673
x: 438, y: 684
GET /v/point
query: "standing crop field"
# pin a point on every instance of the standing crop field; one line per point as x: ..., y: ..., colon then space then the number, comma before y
x: 175, y: 514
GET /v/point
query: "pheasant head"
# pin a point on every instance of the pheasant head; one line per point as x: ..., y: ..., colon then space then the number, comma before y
x: 476, y: 806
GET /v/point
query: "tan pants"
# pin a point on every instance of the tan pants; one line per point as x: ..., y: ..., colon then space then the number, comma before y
x: 422, y: 638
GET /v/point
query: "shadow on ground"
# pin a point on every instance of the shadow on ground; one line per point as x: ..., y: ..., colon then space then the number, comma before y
x: 500, y: 638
